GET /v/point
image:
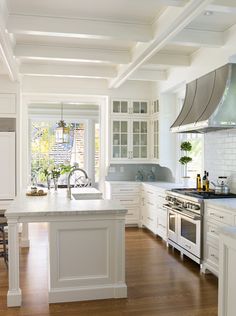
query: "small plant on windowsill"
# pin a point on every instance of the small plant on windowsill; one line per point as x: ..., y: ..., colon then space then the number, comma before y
x: 186, y: 148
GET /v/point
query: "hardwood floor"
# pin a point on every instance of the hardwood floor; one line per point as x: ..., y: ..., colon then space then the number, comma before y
x: 159, y: 283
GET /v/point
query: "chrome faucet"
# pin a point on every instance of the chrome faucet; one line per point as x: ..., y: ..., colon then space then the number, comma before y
x: 69, y: 177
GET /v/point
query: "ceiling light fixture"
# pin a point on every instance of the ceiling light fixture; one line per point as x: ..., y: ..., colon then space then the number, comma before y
x: 62, y: 132
x: 208, y: 13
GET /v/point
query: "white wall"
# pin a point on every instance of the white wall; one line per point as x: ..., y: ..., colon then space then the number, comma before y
x: 220, y: 155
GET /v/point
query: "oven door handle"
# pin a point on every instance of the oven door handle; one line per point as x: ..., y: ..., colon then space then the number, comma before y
x: 194, y: 217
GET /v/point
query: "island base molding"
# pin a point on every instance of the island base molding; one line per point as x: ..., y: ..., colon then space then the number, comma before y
x: 86, y: 294
x: 14, y: 298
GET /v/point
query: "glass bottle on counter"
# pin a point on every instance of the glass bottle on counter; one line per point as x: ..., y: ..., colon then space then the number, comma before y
x: 204, y: 180
x: 198, y: 182
x: 207, y: 182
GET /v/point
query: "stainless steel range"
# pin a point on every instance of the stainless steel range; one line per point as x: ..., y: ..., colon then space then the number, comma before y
x: 185, y: 220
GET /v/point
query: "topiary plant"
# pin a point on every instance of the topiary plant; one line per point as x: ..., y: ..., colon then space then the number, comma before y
x: 186, y: 147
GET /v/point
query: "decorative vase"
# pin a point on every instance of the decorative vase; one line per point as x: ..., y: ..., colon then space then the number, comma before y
x: 49, y: 183
x: 55, y: 181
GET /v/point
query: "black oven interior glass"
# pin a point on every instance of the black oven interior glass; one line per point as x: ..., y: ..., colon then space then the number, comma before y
x: 189, y: 230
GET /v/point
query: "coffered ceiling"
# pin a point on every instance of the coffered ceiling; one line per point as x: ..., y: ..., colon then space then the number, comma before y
x: 109, y: 39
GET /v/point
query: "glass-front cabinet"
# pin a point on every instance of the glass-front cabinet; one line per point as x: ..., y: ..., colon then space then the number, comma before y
x: 120, y: 134
x: 122, y: 107
x: 155, y: 136
x: 140, y: 139
x: 129, y: 139
x: 140, y: 107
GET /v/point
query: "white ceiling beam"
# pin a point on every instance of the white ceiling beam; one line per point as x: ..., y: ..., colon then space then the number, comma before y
x: 169, y: 60
x: 79, y: 71
x: 173, y: 3
x: 149, y: 75
x: 78, y: 28
x: 72, y: 53
x: 6, y: 53
x: 169, y: 24
x: 194, y: 37
x: 223, y: 6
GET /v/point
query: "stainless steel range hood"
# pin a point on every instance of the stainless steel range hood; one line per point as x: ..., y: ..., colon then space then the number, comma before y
x: 210, y: 103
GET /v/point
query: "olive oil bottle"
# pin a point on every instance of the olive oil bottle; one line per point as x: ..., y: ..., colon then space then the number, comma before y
x: 198, y: 182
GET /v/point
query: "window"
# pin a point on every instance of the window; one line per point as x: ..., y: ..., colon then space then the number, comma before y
x: 45, y: 152
x: 196, y: 165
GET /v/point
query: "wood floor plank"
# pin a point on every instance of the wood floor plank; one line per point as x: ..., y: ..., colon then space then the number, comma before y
x: 159, y: 282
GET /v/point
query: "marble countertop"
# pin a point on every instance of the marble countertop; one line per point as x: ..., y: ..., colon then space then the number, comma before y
x: 158, y: 184
x: 226, y: 204
x: 57, y: 203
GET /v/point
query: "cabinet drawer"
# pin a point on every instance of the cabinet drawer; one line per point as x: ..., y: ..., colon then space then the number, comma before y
x: 162, y: 220
x: 126, y: 199
x: 162, y: 232
x: 212, y: 254
x: 220, y: 216
x: 123, y: 189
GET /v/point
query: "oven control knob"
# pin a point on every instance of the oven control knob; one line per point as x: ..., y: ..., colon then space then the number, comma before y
x: 196, y: 207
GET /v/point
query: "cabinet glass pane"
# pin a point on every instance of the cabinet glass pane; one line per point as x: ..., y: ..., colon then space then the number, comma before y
x: 135, y: 152
x: 116, y: 127
x: 143, y: 127
x: 116, y: 139
x: 124, y: 127
x: 143, y: 107
x: 144, y: 152
x: 136, y: 107
x: 136, y: 139
x: 136, y: 128
x: 116, y: 151
x: 124, y: 151
x: 156, y: 106
x: 124, y: 139
x: 124, y: 107
x: 189, y: 230
x: 144, y: 139
x: 116, y: 107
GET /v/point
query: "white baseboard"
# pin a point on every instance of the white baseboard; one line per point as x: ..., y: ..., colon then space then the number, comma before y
x: 58, y: 295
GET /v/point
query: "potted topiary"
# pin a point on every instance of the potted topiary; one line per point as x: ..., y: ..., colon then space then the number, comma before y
x: 186, y: 148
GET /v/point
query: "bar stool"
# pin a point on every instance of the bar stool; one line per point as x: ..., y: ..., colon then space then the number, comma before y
x: 3, y: 239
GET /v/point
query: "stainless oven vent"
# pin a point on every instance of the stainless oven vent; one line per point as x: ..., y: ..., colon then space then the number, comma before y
x: 210, y: 103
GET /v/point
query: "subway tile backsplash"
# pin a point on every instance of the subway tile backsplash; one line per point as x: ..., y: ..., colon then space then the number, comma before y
x: 220, y: 155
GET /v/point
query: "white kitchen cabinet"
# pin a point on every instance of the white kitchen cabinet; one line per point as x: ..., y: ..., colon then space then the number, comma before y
x: 135, y: 107
x: 154, y: 141
x: 214, y: 220
x: 227, y: 275
x: 7, y: 104
x: 7, y: 163
x: 155, y: 107
x: 129, y: 141
x: 153, y: 215
x: 128, y: 195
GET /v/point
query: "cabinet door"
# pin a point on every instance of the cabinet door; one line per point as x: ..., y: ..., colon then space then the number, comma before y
x: 120, y: 134
x: 139, y: 139
x: 120, y: 107
x: 155, y: 139
x: 140, y: 107
x: 7, y: 162
x: 155, y: 107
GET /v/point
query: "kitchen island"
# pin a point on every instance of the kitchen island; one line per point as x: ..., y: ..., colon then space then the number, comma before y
x: 86, y: 247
